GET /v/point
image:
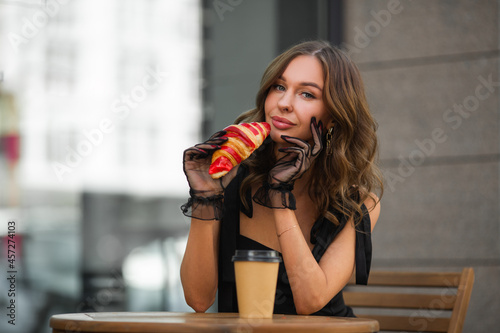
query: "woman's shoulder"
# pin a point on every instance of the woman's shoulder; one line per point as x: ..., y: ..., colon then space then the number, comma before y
x: 372, y: 204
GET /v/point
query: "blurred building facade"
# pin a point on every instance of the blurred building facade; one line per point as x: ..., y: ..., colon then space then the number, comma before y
x: 100, y: 96
x: 110, y: 235
x: 89, y: 77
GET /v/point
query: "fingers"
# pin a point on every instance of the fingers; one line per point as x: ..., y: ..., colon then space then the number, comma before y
x: 201, y: 150
x: 228, y: 177
x: 296, y: 141
x: 213, y: 143
x: 194, y: 153
x: 293, y: 150
x: 217, y: 135
x: 204, y: 149
x: 295, y: 156
x: 291, y: 154
x: 216, y: 139
x: 207, y: 146
x: 317, y: 133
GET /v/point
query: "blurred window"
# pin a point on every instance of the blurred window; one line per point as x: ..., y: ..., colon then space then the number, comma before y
x: 108, y: 92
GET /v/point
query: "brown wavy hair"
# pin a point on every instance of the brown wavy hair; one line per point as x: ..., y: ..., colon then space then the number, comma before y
x: 344, y: 177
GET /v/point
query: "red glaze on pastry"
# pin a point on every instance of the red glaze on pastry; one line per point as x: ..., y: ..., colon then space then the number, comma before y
x: 242, y: 141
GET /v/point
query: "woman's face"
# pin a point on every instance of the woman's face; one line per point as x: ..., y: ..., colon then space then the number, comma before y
x: 295, y: 98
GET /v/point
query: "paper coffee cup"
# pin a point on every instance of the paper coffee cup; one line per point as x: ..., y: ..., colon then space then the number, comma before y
x: 256, y: 275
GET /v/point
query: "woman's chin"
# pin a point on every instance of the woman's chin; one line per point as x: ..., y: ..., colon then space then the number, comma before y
x: 276, y: 137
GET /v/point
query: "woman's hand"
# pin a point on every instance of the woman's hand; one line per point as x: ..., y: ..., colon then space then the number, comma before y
x: 277, y: 192
x: 206, y: 202
x: 298, y: 158
x: 197, y: 160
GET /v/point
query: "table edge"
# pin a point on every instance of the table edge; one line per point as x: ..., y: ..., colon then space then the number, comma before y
x: 83, y: 322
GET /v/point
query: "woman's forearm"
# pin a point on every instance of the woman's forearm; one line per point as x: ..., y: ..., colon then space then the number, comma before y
x: 308, y: 280
x: 199, y: 266
x: 304, y: 274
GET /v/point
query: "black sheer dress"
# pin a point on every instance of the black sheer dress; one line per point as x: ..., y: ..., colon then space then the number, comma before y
x: 323, y: 233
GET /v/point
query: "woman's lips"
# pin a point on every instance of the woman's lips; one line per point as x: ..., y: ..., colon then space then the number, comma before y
x: 281, y: 123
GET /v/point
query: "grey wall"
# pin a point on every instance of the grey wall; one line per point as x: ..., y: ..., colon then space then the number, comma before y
x: 240, y: 42
x: 424, y: 68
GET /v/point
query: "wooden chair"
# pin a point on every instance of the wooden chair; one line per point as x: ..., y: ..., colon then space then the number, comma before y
x: 413, y: 301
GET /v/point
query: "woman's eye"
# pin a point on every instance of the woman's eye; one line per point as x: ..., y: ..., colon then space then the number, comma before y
x: 307, y: 95
x: 279, y: 87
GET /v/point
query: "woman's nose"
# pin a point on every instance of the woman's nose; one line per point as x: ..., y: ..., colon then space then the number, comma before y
x: 285, y: 102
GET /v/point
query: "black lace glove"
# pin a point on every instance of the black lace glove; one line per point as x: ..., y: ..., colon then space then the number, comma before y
x: 290, y: 167
x: 206, y: 201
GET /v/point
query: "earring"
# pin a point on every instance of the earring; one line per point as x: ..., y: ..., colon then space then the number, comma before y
x: 329, y: 137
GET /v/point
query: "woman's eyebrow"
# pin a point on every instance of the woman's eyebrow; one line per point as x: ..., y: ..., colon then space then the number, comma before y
x: 308, y: 84
x: 311, y: 84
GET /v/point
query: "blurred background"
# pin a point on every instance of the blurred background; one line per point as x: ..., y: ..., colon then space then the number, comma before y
x: 98, y: 99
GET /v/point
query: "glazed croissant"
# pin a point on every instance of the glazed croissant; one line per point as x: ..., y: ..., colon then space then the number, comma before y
x: 243, y: 139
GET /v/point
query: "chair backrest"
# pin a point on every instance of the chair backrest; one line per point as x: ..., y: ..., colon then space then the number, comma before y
x: 413, y: 301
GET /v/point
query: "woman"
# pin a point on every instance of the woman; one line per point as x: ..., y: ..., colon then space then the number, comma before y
x: 307, y: 192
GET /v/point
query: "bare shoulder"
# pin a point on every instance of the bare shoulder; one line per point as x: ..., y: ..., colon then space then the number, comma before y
x: 372, y: 203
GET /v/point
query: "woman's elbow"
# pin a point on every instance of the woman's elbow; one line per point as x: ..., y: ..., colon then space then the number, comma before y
x: 199, y: 307
x: 199, y: 296
x: 303, y: 310
x: 199, y: 304
x: 310, y: 305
